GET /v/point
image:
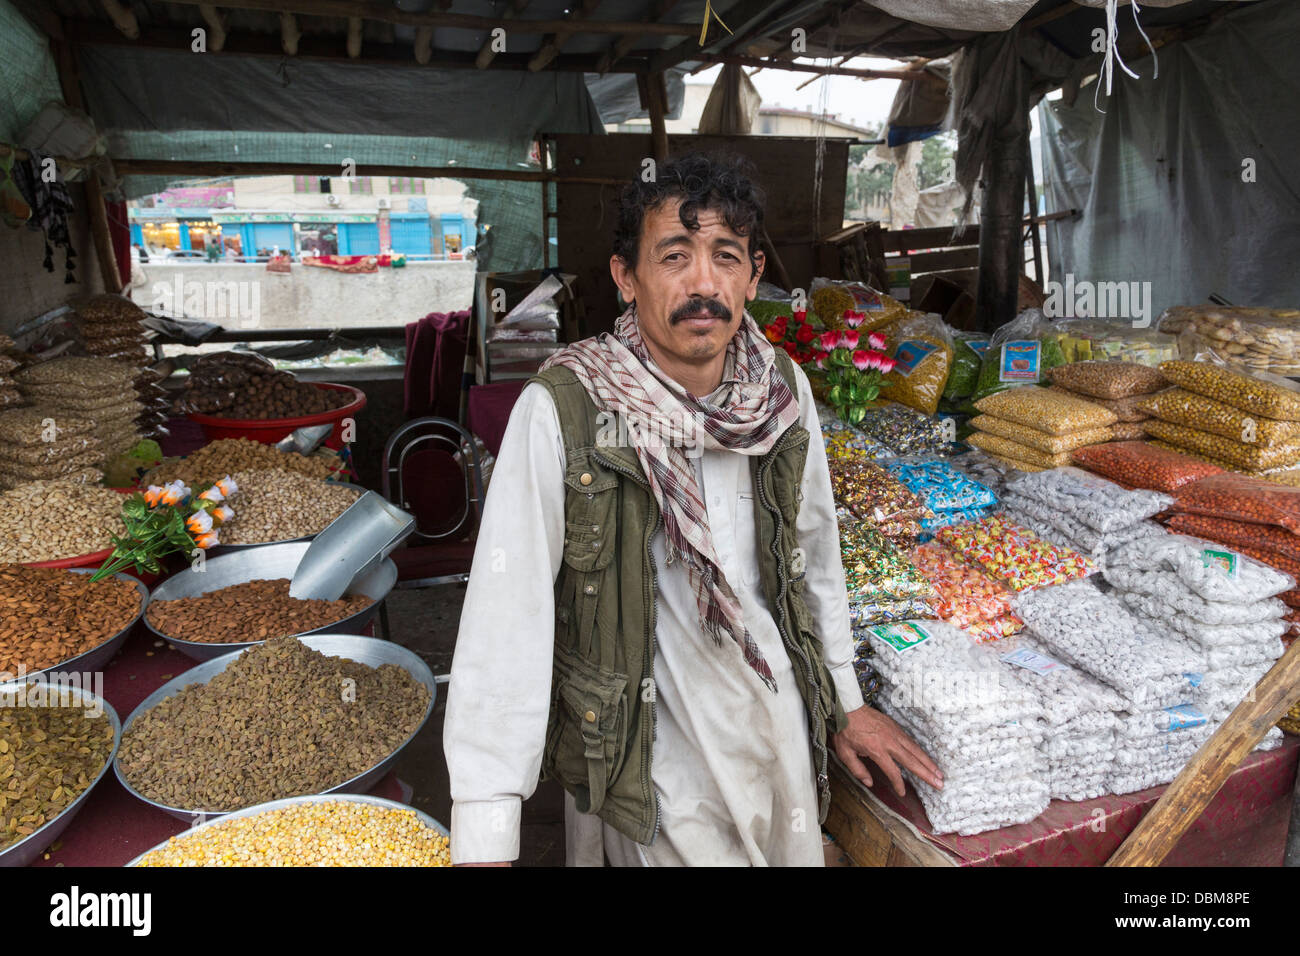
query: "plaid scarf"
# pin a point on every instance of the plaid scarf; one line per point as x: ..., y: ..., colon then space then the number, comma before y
x: 753, y: 408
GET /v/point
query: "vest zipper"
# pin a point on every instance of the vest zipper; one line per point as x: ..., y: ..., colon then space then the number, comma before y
x: 823, y: 777
x: 649, y: 598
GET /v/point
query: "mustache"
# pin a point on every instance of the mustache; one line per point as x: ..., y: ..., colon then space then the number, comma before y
x: 693, y: 308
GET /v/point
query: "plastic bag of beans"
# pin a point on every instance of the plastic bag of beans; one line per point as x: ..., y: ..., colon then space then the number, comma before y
x: 1257, y: 394
x: 1045, y: 410
x: 1237, y: 533
x: 1016, y: 452
x: 1125, y: 409
x: 1178, y: 406
x: 1109, y: 380
x: 1140, y: 465
x: 1242, y: 498
x: 1051, y: 444
x: 1127, y: 431
x: 922, y: 351
x: 968, y: 354
x: 1252, y: 456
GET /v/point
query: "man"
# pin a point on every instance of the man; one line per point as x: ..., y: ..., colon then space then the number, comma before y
x: 657, y: 615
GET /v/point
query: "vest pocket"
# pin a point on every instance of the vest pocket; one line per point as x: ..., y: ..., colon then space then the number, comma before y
x: 586, y: 742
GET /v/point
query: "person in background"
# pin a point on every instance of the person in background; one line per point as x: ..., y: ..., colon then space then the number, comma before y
x: 657, y: 614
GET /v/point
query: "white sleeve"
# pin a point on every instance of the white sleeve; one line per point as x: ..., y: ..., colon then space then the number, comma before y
x: 825, y: 592
x: 499, y: 697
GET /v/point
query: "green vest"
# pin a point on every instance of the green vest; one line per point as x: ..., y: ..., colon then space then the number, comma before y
x: 600, y: 734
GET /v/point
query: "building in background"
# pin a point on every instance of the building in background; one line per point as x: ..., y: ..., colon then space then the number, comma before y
x: 250, y: 218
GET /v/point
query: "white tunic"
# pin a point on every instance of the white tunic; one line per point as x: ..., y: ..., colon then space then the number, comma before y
x: 732, y: 762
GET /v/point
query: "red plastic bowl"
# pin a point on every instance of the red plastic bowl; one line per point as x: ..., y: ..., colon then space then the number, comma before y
x: 270, y: 430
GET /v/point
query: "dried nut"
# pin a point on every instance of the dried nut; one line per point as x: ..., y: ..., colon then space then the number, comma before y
x: 52, y: 520
x: 48, y: 615
x: 1110, y: 380
x: 252, y: 611
x: 229, y: 456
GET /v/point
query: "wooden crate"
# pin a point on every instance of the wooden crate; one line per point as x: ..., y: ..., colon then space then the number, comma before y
x: 870, y: 833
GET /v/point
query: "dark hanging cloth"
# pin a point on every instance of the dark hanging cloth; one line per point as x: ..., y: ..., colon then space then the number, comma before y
x: 51, y: 205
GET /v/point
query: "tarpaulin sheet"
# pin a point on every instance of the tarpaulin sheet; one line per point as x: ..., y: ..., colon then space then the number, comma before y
x: 1188, y: 181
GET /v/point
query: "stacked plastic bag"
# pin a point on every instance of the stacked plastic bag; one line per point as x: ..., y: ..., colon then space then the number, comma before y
x: 35, y: 447
x: 1037, y: 428
x: 1219, y: 605
x: 1085, y: 512
x: 952, y: 497
x: 965, y: 709
x: 1119, y: 387
x: 96, y: 390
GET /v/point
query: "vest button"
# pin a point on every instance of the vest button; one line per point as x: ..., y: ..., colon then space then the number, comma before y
x: 590, y: 589
x: 595, y: 529
x: 586, y: 478
x: 590, y: 716
x: 595, y: 546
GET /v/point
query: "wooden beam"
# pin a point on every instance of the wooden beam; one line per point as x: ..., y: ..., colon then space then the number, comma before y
x: 354, y: 37
x: 216, y: 26
x: 486, y: 53
x: 808, y: 67
x: 657, y: 102
x: 289, y: 34
x: 1193, y: 789
x: 624, y: 44
x: 423, y: 45
x: 550, y: 48
x: 345, y: 9
x: 123, y: 18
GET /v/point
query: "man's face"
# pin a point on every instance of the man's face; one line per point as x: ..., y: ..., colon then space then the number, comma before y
x: 690, y: 286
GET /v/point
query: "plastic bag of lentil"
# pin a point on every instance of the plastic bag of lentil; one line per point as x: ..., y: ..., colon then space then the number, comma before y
x: 1252, y: 456
x: 1178, y: 406
x: 1256, y: 394
x: 922, y: 351
x: 1110, y: 380
x: 1019, y: 353
x: 1140, y: 465
x: 1242, y: 498
x: 1050, y: 444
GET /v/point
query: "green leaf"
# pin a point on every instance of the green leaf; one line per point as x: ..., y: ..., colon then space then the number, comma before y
x: 834, y: 395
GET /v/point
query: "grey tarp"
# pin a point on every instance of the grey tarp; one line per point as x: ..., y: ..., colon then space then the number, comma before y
x: 1159, y: 175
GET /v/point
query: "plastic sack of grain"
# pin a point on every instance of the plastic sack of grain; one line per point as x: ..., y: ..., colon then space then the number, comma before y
x: 1109, y: 380
x: 1253, y: 394
x: 1126, y: 410
x: 1040, y: 440
x: 1090, y: 499
x: 922, y: 353
x: 1181, y: 407
x: 1045, y: 410
x: 1205, y: 567
x: 1160, y: 595
x: 1016, y: 453
x: 1096, y: 632
x: 1252, y: 456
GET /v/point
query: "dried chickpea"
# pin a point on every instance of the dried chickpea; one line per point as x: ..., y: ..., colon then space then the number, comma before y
x: 1252, y: 395
x: 1045, y: 410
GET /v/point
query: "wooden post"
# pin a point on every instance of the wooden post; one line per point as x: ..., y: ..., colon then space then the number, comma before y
x: 657, y: 97
x: 1193, y: 789
x: 1001, y: 257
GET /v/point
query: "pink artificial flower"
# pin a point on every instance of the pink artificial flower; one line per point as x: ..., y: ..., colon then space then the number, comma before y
x: 829, y: 341
x: 887, y: 364
x: 853, y: 319
x: 863, y: 360
x: 820, y: 362
x: 849, y: 339
x: 876, y: 340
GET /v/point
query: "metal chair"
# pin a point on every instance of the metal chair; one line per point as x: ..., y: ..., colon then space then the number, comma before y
x: 431, y: 468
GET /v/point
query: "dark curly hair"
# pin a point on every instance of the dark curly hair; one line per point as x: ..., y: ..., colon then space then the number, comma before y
x: 701, y: 181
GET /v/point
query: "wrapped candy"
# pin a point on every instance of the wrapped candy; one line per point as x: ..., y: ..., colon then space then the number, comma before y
x: 942, y: 486
x: 1014, y: 554
x: 877, y: 572
x: 966, y: 595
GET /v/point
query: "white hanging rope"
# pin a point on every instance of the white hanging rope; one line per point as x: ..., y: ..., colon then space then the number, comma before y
x: 1112, y: 51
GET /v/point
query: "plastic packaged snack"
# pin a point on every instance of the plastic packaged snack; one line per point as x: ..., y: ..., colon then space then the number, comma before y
x: 831, y: 298
x: 939, y: 485
x: 1242, y: 498
x: 1260, y: 338
x: 1011, y: 553
x: 1042, y: 441
x: 1094, y: 501
x: 1204, y: 567
x: 1016, y: 452
x: 1252, y: 394
x: 1113, y: 340
x: 1045, y: 410
x: 922, y: 351
x: 877, y: 572
x: 1019, y: 353
x: 1125, y: 409
x: 942, y: 519
x: 1178, y: 406
x: 1109, y: 380
x: 1141, y: 465
x: 1255, y: 457
x: 1053, y: 525
x: 903, y: 430
x: 1237, y: 533
x: 873, y: 494
x: 965, y: 594
x: 867, y: 613
x: 968, y: 353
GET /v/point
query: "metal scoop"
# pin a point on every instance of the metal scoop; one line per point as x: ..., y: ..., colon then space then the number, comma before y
x: 364, y: 534
x: 304, y: 440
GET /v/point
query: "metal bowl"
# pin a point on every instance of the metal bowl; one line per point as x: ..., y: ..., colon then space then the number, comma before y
x: 265, y: 561
x: 30, y: 847
x: 364, y: 650
x: 95, y: 658
x: 424, y: 818
x: 227, y: 548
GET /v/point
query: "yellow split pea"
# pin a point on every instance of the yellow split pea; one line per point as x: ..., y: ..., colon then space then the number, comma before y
x: 334, y: 833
